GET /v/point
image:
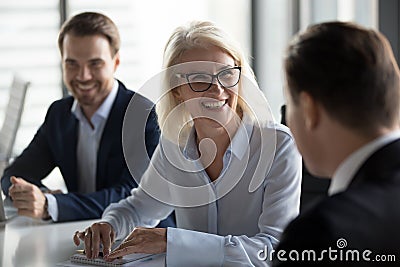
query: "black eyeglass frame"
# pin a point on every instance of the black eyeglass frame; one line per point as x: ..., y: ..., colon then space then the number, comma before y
x: 213, y: 76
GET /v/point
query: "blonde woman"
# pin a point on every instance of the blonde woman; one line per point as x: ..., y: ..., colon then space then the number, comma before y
x: 231, y: 174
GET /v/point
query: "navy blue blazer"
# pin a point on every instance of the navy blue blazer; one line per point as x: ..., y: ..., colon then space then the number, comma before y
x: 366, y: 216
x: 54, y: 145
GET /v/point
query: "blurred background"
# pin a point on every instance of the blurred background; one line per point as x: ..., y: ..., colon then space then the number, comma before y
x: 29, y: 31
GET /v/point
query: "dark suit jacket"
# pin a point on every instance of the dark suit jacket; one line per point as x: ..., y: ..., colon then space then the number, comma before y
x: 366, y: 216
x: 54, y: 145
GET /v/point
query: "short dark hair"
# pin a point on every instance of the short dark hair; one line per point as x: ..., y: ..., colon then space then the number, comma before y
x: 349, y: 70
x: 91, y: 23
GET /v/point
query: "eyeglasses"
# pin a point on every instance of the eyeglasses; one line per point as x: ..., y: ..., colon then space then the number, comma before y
x: 201, y: 82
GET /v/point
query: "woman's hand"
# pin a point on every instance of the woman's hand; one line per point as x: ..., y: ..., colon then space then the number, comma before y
x: 141, y: 240
x: 93, y: 236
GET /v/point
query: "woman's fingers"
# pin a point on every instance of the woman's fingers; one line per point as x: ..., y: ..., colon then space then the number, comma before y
x: 88, y: 242
x: 142, y: 240
x: 78, y: 236
x: 95, y: 236
x: 119, y: 253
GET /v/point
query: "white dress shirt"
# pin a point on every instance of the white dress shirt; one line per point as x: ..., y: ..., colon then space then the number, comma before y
x: 232, y: 228
x: 87, y: 146
x: 348, y: 168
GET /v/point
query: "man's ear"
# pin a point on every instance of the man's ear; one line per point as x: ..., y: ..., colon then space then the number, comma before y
x: 117, y: 60
x: 309, y: 108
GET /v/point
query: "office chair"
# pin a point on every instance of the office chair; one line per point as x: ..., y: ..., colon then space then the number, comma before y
x: 313, y: 188
x: 12, y: 119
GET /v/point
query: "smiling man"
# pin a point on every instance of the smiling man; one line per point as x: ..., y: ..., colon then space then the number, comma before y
x: 82, y: 133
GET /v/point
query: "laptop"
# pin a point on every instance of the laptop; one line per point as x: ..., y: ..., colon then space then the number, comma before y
x: 7, y: 211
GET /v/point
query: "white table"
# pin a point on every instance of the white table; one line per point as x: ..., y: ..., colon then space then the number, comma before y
x: 28, y: 242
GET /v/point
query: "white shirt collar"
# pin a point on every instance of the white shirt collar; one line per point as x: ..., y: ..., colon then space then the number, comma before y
x: 103, y: 111
x: 239, y: 141
x: 348, y: 168
x: 242, y: 137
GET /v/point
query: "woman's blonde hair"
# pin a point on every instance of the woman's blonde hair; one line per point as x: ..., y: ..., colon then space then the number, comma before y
x: 196, y: 34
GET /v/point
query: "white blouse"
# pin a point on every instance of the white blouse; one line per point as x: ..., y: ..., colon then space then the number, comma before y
x: 230, y: 221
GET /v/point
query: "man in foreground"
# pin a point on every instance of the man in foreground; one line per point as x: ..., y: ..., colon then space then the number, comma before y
x: 343, y: 94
